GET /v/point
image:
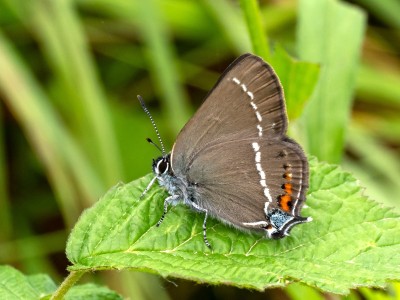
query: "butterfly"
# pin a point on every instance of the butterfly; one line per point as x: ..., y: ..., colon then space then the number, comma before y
x: 233, y: 160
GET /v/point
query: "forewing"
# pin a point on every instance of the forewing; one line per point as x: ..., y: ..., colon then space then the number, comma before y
x: 246, y: 102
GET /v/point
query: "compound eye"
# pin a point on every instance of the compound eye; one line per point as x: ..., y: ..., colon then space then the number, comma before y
x: 162, y: 166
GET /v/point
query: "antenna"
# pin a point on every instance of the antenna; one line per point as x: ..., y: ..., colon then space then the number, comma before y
x: 154, y: 144
x: 154, y: 125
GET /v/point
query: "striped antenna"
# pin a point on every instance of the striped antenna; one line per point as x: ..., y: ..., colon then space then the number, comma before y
x: 154, y: 124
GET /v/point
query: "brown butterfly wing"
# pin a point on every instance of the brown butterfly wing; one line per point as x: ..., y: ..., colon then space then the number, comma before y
x: 227, y: 112
x: 234, y: 150
x: 230, y: 187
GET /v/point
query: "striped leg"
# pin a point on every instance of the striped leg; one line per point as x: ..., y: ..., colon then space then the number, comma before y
x: 167, y: 202
x: 204, y: 223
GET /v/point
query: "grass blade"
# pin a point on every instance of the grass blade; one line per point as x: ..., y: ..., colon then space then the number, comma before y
x: 255, y: 28
x: 330, y: 33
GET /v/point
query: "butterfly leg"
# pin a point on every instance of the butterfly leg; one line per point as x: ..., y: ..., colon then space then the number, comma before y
x: 167, y: 202
x: 148, y: 187
x: 204, y: 223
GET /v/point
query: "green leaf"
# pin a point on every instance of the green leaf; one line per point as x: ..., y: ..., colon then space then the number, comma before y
x: 42, y: 283
x: 91, y: 292
x: 352, y: 241
x: 15, y: 285
x: 298, y: 79
x: 330, y: 33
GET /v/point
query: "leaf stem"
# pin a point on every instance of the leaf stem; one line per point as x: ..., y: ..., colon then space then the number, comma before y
x: 258, y: 37
x: 67, y: 284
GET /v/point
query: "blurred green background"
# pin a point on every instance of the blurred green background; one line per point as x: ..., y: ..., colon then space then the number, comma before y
x: 71, y: 126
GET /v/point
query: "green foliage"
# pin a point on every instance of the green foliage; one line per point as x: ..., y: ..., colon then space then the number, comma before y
x: 91, y: 291
x: 298, y: 79
x: 255, y: 28
x: 161, y: 57
x: 327, y: 114
x: 15, y: 285
x: 70, y: 73
x: 352, y: 241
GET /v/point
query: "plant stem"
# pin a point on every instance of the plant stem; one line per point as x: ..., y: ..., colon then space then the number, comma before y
x: 67, y: 284
x: 256, y: 30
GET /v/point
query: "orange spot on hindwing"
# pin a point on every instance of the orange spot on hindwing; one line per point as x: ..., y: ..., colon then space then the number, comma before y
x: 288, y: 188
x: 285, y: 202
